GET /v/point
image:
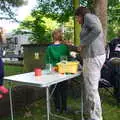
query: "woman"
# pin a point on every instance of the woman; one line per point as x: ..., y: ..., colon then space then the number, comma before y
x: 92, y: 51
x: 54, y: 53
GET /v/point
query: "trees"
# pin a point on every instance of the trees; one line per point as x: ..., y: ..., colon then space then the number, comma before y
x: 62, y: 10
x: 39, y: 26
x: 7, y: 8
x: 101, y: 12
x: 59, y: 10
x: 76, y: 26
x: 113, y: 18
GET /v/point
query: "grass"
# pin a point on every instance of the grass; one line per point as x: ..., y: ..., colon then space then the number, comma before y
x: 111, y: 111
x: 36, y: 110
x: 12, y: 70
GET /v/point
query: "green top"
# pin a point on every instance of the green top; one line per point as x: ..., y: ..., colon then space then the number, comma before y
x: 54, y: 53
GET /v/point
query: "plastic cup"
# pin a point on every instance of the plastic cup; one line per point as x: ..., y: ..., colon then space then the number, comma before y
x: 38, y: 71
x: 48, y: 68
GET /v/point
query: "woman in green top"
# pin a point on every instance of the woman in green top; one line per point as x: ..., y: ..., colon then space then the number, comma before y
x: 54, y: 53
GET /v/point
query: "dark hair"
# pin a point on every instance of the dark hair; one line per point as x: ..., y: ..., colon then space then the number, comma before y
x: 81, y: 11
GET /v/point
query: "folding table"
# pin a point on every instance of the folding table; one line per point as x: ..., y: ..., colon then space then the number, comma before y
x: 45, y: 80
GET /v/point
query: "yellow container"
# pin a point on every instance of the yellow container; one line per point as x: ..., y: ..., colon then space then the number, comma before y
x: 68, y: 67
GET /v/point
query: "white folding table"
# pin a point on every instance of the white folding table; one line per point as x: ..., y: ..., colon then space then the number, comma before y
x: 45, y: 80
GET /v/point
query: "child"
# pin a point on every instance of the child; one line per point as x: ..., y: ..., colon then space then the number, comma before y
x: 54, y: 53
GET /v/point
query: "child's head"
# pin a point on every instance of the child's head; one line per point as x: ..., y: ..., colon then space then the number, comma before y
x: 57, y: 35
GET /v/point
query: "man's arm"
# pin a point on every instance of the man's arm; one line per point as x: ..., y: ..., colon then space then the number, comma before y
x: 94, y: 26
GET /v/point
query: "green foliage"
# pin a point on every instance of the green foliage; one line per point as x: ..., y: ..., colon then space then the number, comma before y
x: 40, y: 27
x: 8, y: 8
x: 69, y: 30
x: 113, y: 18
x: 113, y: 30
x: 38, y: 30
x: 61, y: 11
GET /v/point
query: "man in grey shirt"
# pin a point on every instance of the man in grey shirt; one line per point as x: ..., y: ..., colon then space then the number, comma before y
x: 92, y: 50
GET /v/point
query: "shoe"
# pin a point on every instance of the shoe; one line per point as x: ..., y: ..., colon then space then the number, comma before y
x: 1, y: 96
x: 3, y: 89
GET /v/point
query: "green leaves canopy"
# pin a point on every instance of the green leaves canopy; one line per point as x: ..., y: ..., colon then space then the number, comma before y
x: 59, y: 10
x: 40, y: 27
x: 7, y: 8
x: 113, y: 18
x: 62, y: 10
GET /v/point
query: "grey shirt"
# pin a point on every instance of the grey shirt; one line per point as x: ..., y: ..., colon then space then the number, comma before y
x: 92, y: 37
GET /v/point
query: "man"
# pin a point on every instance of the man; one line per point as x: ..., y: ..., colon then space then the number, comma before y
x: 92, y: 51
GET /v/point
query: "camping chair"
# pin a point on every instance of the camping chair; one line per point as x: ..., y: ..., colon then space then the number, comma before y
x: 110, y: 73
x: 103, y: 83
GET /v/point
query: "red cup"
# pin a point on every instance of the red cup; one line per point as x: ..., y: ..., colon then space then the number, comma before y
x: 38, y: 72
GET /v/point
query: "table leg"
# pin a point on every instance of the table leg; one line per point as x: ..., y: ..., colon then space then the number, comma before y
x: 82, y: 118
x: 48, y: 103
x: 10, y: 96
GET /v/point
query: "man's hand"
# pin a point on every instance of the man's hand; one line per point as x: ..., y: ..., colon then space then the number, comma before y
x: 80, y: 48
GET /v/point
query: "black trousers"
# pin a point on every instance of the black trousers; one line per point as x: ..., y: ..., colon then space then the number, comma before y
x: 60, y: 96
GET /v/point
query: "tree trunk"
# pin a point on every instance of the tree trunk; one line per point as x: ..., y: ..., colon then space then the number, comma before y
x: 101, y: 12
x: 76, y: 4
